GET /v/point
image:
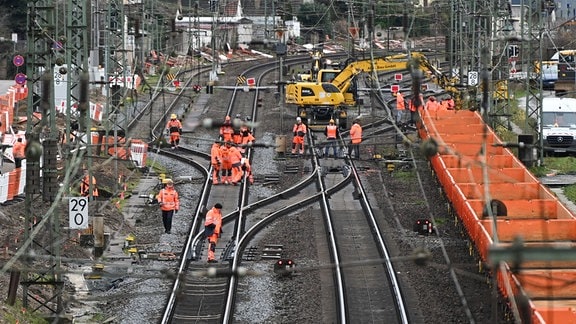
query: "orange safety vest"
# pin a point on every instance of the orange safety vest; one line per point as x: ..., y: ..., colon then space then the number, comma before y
x: 412, y: 104
x: 226, y: 132
x: 299, y: 129
x: 18, y: 150
x: 168, y: 199
x: 214, y: 216
x: 400, y: 104
x: 356, y: 133
x: 235, y: 156
x: 174, y: 126
x: 331, y: 131
x: 215, y: 153
x: 448, y: 104
x: 432, y: 105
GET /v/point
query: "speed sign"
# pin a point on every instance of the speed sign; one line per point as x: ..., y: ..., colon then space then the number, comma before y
x: 78, y: 212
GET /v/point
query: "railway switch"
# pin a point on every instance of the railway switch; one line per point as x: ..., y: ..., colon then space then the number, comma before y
x: 423, y: 227
x: 284, y: 267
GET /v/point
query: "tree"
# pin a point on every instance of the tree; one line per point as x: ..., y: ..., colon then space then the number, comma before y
x: 315, y: 15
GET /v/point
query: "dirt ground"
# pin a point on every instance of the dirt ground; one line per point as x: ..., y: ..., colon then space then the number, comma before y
x: 13, y: 214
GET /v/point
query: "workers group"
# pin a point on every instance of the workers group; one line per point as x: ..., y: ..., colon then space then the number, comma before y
x: 228, y: 163
x: 332, y: 133
x: 417, y: 103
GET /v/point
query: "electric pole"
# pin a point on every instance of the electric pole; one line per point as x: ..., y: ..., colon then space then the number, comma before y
x: 41, y: 232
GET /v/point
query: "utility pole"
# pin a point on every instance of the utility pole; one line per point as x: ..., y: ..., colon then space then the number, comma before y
x: 534, y: 22
x: 214, y: 5
x: 41, y: 45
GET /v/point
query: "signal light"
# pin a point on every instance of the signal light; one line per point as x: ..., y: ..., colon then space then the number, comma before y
x: 423, y: 227
x: 284, y: 267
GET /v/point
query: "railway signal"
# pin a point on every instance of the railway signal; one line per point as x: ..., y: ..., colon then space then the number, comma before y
x: 423, y: 227
x: 284, y: 267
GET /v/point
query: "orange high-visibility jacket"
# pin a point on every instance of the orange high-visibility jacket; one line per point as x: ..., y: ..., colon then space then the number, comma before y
x: 400, y: 104
x: 215, y: 153
x: 168, y: 199
x: 18, y: 150
x: 356, y: 133
x: 331, y: 131
x: 174, y: 126
x: 214, y: 216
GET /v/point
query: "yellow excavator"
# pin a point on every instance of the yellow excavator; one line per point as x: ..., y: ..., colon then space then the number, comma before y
x: 333, y: 91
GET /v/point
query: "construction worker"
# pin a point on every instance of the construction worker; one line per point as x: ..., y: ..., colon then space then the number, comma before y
x: 355, y: 138
x: 247, y: 137
x: 331, y: 132
x: 174, y: 128
x: 246, y: 169
x: 400, y: 107
x: 431, y: 104
x: 85, y: 185
x: 226, y: 130
x: 169, y: 204
x: 235, y: 159
x: 236, y: 130
x: 18, y: 151
x: 213, y: 229
x: 299, y: 131
x: 416, y: 104
x: 448, y: 103
x: 226, y: 162
x: 215, y: 161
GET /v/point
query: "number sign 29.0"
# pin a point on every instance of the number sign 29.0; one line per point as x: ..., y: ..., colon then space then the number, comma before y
x: 78, y: 212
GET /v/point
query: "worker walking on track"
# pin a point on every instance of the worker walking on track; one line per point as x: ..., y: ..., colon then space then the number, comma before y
x: 213, y: 229
x: 85, y: 185
x: 299, y: 130
x: 400, y: 107
x: 331, y: 132
x: 174, y: 129
x: 215, y: 161
x: 355, y: 138
x: 169, y: 204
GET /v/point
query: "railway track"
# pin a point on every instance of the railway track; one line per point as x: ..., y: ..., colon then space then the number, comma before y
x: 199, y: 296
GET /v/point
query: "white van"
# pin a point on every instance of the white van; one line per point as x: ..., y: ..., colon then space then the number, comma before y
x: 559, y: 125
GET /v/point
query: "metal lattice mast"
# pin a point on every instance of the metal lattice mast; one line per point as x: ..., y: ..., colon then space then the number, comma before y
x: 37, y: 229
x: 502, y: 60
x: 532, y: 26
x: 77, y: 47
x: 115, y: 65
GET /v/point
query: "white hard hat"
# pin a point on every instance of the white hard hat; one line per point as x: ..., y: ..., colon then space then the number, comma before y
x: 298, y: 119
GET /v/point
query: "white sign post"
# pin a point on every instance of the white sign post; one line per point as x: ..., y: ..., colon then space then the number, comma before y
x: 473, y: 78
x: 78, y: 212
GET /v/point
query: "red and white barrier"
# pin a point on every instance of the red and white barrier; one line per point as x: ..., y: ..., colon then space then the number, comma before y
x: 139, y: 152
